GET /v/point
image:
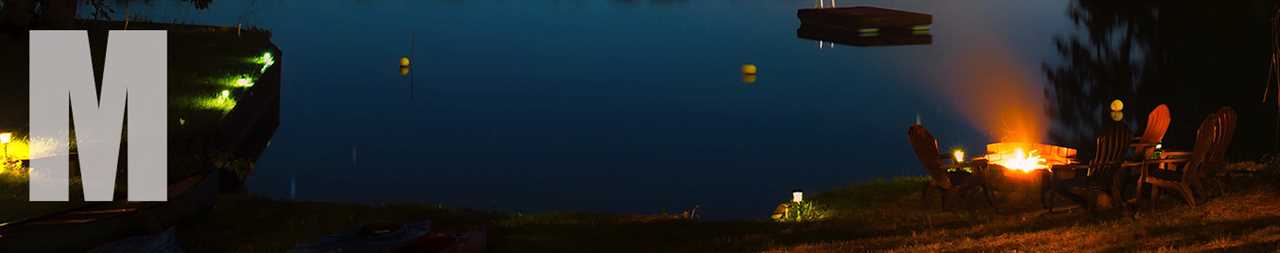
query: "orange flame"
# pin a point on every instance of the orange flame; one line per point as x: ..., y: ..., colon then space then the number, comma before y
x: 1020, y: 160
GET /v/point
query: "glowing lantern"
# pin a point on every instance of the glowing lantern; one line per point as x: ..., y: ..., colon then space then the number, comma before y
x: 797, y: 195
x: 404, y: 61
x: 225, y: 94
x: 958, y: 154
x: 1116, y: 105
x: 749, y: 69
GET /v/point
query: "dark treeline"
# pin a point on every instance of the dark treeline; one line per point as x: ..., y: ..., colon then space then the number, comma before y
x: 1193, y: 56
x: 21, y: 15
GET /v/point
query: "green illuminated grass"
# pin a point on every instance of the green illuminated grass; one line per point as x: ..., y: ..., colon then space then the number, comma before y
x: 217, y: 103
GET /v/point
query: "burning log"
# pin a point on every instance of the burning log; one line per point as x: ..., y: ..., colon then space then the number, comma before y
x: 1027, y: 157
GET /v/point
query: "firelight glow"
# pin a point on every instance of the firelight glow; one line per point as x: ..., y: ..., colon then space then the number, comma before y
x: 1021, y: 160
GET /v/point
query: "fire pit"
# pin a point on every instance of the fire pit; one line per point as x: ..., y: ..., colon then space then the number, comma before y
x: 1028, y: 157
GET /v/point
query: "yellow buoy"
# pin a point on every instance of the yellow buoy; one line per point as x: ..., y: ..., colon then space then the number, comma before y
x: 404, y: 61
x: 748, y: 69
x: 1116, y: 105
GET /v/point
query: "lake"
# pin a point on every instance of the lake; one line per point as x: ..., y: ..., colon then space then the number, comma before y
x: 632, y: 106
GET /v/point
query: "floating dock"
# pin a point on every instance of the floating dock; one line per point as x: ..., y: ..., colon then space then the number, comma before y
x: 862, y: 17
x: 865, y: 26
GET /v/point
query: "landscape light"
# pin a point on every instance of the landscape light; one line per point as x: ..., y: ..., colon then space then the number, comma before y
x: 225, y: 94
x: 243, y: 82
x: 4, y: 139
x: 797, y: 195
x: 266, y: 60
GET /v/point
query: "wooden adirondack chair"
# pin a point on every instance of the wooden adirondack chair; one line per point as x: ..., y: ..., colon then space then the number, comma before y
x: 1187, y: 176
x: 1101, y: 174
x: 1215, y: 167
x: 1157, y: 124
x: 942, y: 180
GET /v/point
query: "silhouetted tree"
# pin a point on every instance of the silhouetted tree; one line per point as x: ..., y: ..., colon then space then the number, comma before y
x: 1190, y: 55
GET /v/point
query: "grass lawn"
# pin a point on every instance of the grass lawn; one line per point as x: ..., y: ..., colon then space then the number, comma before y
x: 884, y: 215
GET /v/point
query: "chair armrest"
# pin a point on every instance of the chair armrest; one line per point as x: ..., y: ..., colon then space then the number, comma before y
x: 1169, y: 163
x: 1141, y: 145
x: 1069, y: 167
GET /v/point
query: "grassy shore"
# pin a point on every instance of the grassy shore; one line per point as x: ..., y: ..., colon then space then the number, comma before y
x: 881, y: 215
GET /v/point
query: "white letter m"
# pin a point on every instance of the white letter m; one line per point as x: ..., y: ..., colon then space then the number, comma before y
x: 62, y: 82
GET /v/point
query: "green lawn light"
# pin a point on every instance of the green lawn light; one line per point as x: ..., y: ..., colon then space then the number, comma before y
x: 266, y: 60
x: 243, y: 81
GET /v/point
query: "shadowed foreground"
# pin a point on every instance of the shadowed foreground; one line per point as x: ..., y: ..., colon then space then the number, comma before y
x: 882, y: 215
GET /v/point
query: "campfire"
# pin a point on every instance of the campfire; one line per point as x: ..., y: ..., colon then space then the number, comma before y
x: 1027, y: 157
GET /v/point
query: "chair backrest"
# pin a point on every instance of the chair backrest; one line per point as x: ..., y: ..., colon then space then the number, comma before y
x: 1227, y: 127
x: 1157, y: 124
x: 926, y: 149
x: 1217, y: 157
x: 1112, y: 143
x: 1206, y: 138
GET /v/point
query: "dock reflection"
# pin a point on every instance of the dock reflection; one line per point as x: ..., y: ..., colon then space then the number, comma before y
x: 865, y: 39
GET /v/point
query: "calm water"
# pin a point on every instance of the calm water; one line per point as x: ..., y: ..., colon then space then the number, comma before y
x: 617, y: 106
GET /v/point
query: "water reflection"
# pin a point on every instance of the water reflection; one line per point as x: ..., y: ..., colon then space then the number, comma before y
x: 651, y: 2
x: 865, y: 39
